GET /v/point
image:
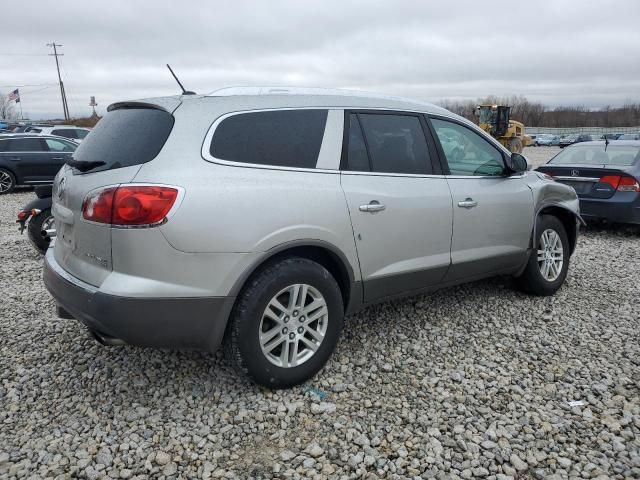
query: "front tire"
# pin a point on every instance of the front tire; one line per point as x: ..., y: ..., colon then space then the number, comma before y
x: 7, y: 181
x: 286, y: 323
x: 548, y: 264
x: 42, y: 221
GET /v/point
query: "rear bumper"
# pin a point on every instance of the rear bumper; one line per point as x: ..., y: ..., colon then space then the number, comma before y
x: 190, y: 323
x: 612, y: 209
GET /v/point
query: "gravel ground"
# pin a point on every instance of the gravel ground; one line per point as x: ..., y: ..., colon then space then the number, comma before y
x: 473, y: 381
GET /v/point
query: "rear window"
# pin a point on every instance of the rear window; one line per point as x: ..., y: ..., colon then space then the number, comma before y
x: 623, y: 155
x: 126, y: 137
x: 284, y: 138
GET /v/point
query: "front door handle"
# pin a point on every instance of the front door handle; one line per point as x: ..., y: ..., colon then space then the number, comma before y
x: 57, y: 158
x: 468, y: 203
x: 372, y: 207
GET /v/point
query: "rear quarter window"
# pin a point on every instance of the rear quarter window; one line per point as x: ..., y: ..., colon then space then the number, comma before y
x: 126, y: 137
x: 284, y: 138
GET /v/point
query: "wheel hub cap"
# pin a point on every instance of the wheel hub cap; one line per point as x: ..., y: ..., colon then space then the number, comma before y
x: 289, y: 346
x: 550, y: 255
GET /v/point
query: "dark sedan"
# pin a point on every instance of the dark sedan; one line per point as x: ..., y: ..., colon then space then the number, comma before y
x: 31, y: 159
x: 606, y: 177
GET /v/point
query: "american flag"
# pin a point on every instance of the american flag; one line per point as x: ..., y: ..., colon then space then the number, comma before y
x: 15, y: 95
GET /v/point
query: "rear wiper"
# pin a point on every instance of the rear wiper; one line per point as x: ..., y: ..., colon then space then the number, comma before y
x: 84, y: 165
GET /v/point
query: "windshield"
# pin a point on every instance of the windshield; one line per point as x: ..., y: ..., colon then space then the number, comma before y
x: 487, y: 115
x: 623, y: 155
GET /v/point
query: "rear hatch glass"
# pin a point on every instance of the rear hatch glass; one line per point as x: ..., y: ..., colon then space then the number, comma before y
x: 125, y: 137
x: 122, y: 140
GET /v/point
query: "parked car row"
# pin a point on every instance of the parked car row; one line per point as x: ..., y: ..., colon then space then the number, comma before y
x: 77, y: 134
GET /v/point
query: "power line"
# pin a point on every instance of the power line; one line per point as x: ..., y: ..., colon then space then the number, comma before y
x: 23, y: 54
x: 65, y: 107
x: 30, y: 85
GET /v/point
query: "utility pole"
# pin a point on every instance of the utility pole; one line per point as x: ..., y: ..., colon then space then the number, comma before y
x: 65, y: 107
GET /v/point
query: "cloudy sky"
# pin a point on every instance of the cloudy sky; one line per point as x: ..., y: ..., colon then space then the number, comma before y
x: 558, y: 52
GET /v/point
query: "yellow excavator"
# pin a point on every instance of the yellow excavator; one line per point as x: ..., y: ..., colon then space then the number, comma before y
x: 494, y: 119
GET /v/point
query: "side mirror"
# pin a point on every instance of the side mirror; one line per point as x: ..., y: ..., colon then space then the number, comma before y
x: 517, y: 163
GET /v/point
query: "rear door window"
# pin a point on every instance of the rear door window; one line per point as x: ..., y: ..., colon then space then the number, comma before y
x: 126, y: 137
x: 26, y: 145
x: 55, y: 145
x: 284, y: 138
x: 395, y: 143
x: 65, y: 132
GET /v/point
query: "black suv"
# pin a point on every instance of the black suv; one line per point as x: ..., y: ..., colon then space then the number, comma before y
x: 31, y: 159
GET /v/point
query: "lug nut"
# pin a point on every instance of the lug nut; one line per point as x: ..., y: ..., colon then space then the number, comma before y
x: 292, y: 335
x: 300, y: 330
x: 286, y: 319
x: 285, y: 330
x: 301, y: 319
x: 295, y: 313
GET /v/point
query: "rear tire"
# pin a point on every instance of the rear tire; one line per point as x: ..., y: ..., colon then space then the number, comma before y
x: 7, y: 181
x: 548, y: 264
x: 35, y: 227
x: 269, y: 338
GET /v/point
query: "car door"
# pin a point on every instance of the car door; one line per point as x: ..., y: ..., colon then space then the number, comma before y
x: 28, y: 155
x: 59, y: 151
x: 400, y: 206
x: 492, y: 212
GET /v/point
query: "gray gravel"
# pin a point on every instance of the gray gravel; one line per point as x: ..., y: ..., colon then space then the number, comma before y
x: 477, y: 381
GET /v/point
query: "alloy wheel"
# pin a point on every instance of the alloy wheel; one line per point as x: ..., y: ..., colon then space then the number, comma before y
x: 5, y: 182
x: 293, y: 326
x: 550, y: 255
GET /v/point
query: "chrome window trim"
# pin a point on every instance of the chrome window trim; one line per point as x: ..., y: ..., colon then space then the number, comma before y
x: 206, y: 144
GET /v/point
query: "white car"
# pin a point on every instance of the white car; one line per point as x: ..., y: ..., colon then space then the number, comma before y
x: 76, y: 134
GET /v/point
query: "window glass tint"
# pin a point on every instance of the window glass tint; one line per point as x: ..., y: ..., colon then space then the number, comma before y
x: 396, y: 143
x: 81, y: 134
x: 624, y: 155
x: 357, y: 158
x: 59, y: 146
x: 467, y: 153
x: 65, y: 132
x: 286, y: 138
x: 3, y: 145
x: 25, y: 145
x: 125, y: 137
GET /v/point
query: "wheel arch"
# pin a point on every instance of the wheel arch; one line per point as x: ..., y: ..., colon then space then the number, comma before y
x: 569, y: 220
x: 324, y: 253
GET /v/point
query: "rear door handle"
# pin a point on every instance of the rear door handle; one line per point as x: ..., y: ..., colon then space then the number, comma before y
x: 468, y: 203
x: 372, y: 207
x: 15, y: 159
x: 57, y: 158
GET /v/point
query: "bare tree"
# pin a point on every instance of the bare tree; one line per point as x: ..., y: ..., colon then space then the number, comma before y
x: 7, y: 108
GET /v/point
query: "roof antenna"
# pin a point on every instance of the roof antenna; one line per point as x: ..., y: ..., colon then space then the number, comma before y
x: 184, y: 92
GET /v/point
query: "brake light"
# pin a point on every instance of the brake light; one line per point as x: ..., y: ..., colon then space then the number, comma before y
x: 622, y: 183
x: 136, y: 205
x: 628, y: 184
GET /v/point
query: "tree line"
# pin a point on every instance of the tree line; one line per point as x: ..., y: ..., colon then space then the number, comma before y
x: 535, y: 114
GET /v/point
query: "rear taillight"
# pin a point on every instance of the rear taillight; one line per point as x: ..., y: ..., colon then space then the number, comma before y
x: 628, y: 184
x: 622, y: 183
x: 136, y: 205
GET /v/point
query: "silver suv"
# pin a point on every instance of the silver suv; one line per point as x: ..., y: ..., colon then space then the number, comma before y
x: 262, y: 216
